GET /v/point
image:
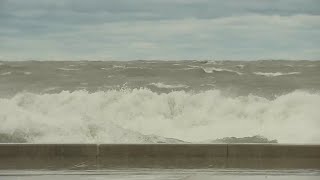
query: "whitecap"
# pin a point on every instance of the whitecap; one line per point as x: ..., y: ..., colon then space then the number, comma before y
x: 119, y: 66
x: 27, y: 73
x: 240, y: 66
x: 203, y: 85
x: 168, y: 86
x: 195, y: 67
x: 272, y: 74
x: 105, y: 68
x: 50, y: 89
x: 211, y: 62
x: 190, y: 67
x: 214, y: 69
x: 187, y: 68
x: 311, y: 65
x: 5, y: 73
x: 68, y: 69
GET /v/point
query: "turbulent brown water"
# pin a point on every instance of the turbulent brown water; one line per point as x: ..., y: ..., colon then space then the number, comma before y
x: 160, y: 101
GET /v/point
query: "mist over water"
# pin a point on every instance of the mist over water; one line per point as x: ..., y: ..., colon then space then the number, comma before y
x: 159, y: 101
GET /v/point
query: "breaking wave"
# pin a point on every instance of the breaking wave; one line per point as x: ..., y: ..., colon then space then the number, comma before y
x: 213, y: 69
x: 5, y: 73
x: 68, y: 69
x: 275, y: 74
x: 168, y: 86
x: 143, y: 116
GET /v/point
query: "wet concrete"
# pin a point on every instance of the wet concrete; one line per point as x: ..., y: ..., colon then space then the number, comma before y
x: 275, y: 156
x: 47, y: 156
x: 194, y: 156
x: 163, y: 155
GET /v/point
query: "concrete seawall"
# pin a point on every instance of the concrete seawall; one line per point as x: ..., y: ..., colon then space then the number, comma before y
x: 94, y: 156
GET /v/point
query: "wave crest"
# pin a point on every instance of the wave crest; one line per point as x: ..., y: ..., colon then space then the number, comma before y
x: 270, y: 74
x: 168, y: 86
x: 140, y: 115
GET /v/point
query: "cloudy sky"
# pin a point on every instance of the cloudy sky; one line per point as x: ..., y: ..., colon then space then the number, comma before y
x: 159, y: 29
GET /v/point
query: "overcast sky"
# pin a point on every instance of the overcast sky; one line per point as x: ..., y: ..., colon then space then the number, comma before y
x: 159, y: 29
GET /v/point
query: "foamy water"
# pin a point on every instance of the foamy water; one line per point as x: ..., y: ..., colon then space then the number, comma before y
x: 168, y: 86
x: 213, y: 69
x: 160, y: 102
x: 133, y: 116
x: 68, y: 69
x: 5, y: 73
x: 270, y: 74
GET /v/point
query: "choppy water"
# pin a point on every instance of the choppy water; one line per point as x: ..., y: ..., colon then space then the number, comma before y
x: 159, y: 101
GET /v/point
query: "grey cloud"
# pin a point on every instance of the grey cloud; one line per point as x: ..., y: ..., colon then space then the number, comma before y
x: 148, y: 29
x: 41, y: 16
x: 126, y: 10
x: 247, y: 37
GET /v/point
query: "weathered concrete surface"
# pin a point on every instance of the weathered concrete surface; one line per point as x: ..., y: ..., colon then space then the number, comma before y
x: 47, y: 156
x: 273, y: 156
x: 163, y: 155
x: 77, y: 156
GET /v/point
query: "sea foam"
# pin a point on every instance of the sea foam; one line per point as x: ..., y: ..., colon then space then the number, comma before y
x: 213, y: 69
x: 143, y: 116
x: 5, y: 73
x: 168, y: 86
x: 271, y: 74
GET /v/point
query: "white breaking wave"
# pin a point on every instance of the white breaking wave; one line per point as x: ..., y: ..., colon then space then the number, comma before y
x: 213, y: 69
x: 50, y: 89
x: 105, y: 68
x: 270, y: 74
x: 5, y: 73
x: 117, y: 66
x: 240, y: 66
x: 211, y: 62
x: 68, y: 69
x: 27, y: 73
x: 168, y: 86
x: 208, y: 85
x: 128, y: 116
x: 311, y: 65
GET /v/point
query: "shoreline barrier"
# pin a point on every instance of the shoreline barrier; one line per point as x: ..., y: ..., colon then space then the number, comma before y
x: 194, y: 156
